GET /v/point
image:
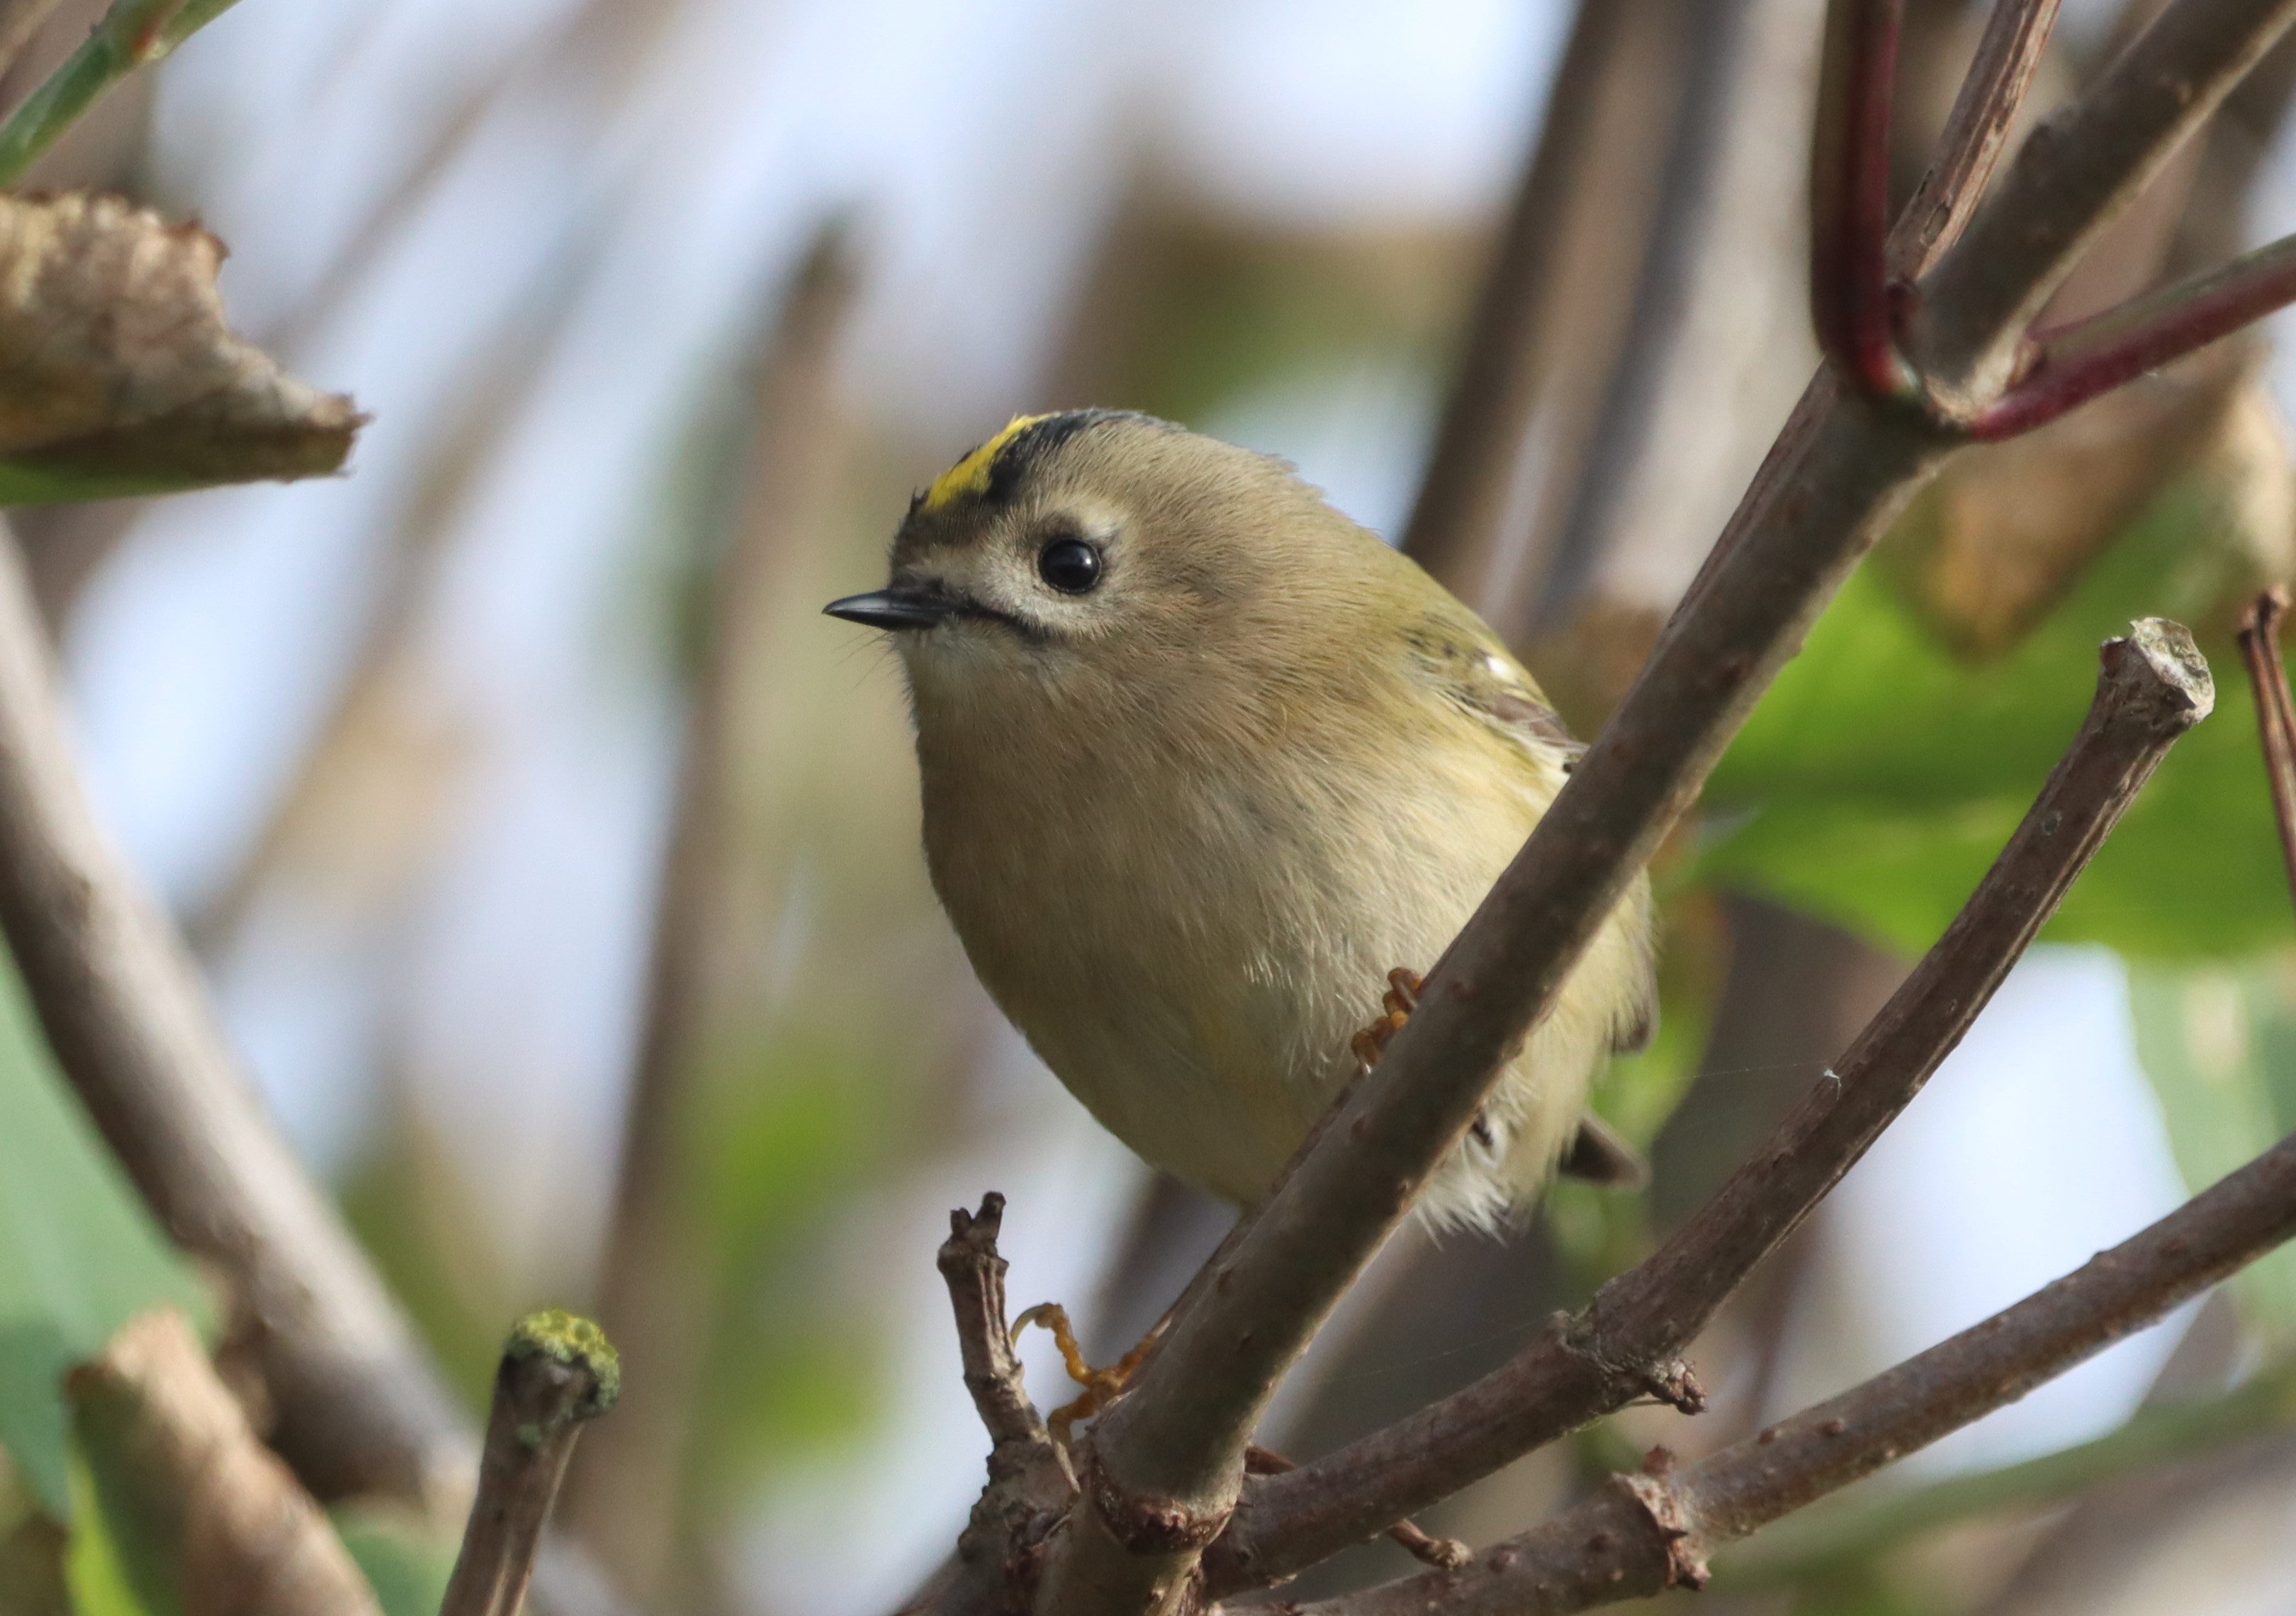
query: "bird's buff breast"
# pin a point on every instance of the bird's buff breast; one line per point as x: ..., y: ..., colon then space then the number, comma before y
x: 1190, y: 946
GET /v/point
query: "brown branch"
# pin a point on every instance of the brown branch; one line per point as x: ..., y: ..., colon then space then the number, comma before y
x: 1654, y: 1531
x: 2153, y: 686
x: 360, y: 1409
x: 2276, y: 713
x: 657, y: 1294
x: 1976, y: 132
x: 557, y: 1373
x: 1850, y: 195
x: 213, y: 1521
x: 1168, y: 1458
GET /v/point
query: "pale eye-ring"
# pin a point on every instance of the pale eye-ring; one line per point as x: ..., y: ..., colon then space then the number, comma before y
x: 1069, y: 565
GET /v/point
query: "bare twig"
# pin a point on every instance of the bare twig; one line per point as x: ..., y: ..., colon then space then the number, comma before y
x: 1566, y: 262
x: 2153, y: 686
x: 1406, y: 1535
x: 214, y: 1521
x: 1654, y: 1531
x: 1030, y: 1484
x: 2275, y: 714
x: 557, y: 1372
x: 1976, y: 131
x: 1850, y: 195
x: 359, y: 1408
x: 2154, y: 1436
x: 1167, y: 1459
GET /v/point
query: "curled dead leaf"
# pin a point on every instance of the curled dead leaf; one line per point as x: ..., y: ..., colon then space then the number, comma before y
x: 119, y: 373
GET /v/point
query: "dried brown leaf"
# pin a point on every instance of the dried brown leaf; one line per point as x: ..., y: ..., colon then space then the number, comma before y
x: 119, y: 373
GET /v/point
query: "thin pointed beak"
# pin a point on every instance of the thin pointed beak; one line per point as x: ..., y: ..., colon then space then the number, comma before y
x: 894, y: 609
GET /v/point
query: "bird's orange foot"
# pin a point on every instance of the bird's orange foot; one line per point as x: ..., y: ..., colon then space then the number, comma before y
x: 1100, y: 1386
x: 1402, y: 999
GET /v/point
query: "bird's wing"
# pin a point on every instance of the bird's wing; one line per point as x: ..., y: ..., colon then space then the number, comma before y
x: 1465, y: 664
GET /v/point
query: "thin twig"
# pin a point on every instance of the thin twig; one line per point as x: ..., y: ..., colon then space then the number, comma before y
x: 1565, y: 255
x: 557, y: 1372
x: 2074, y: 363
x: 1407, y: 1535
x: 1654, y: 1531
x: 2154, y: 1436
x: 1030, y: 1484
x: 2153, y: 686
x: 359, y: 1408
x: 1850, y: 195
x: 1976, y: 134
x: 2276, y: 713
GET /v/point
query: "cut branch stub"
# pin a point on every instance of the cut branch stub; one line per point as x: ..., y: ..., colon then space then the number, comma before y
x: 557, y: 1373
x: 119, y: 373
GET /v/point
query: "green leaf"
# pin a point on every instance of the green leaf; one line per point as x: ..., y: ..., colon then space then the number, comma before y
x: 405, y: 1562
x: 2219, y: 1044
x: 78, y: 1253
x: 95, y: 1568
x: 1880, y: 774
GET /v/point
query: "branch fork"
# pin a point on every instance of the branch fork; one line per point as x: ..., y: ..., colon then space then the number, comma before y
x: 1867, y: 287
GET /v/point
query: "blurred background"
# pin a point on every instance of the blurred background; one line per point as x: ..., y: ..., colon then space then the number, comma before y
x: 555, y: 862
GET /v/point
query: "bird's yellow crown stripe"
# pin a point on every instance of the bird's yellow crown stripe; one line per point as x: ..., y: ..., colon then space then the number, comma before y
x: 970, y: 475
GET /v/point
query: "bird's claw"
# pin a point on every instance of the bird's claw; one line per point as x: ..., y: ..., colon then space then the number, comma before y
x: 1100, y: 1386
x: 1403, y: 987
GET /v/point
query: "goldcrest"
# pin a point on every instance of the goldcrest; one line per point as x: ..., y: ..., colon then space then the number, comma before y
x: 1202, y: 761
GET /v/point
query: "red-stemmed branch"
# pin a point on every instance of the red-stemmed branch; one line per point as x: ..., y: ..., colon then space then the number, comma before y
x: 1858, y: 309
x: 2074, y: 364
x: 1849, y: 286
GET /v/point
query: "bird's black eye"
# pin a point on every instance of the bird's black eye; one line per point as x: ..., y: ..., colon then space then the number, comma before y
x: 1069, y: 565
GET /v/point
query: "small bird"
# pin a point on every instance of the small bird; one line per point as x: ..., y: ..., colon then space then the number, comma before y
x: 1202, y: 762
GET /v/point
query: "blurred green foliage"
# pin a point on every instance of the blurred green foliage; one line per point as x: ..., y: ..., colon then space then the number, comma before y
x: 406, y: 1562
x: 1881, y: 775
x: 2219, y: 1044
x: 99, y: 1566
x: 78, y: 1253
